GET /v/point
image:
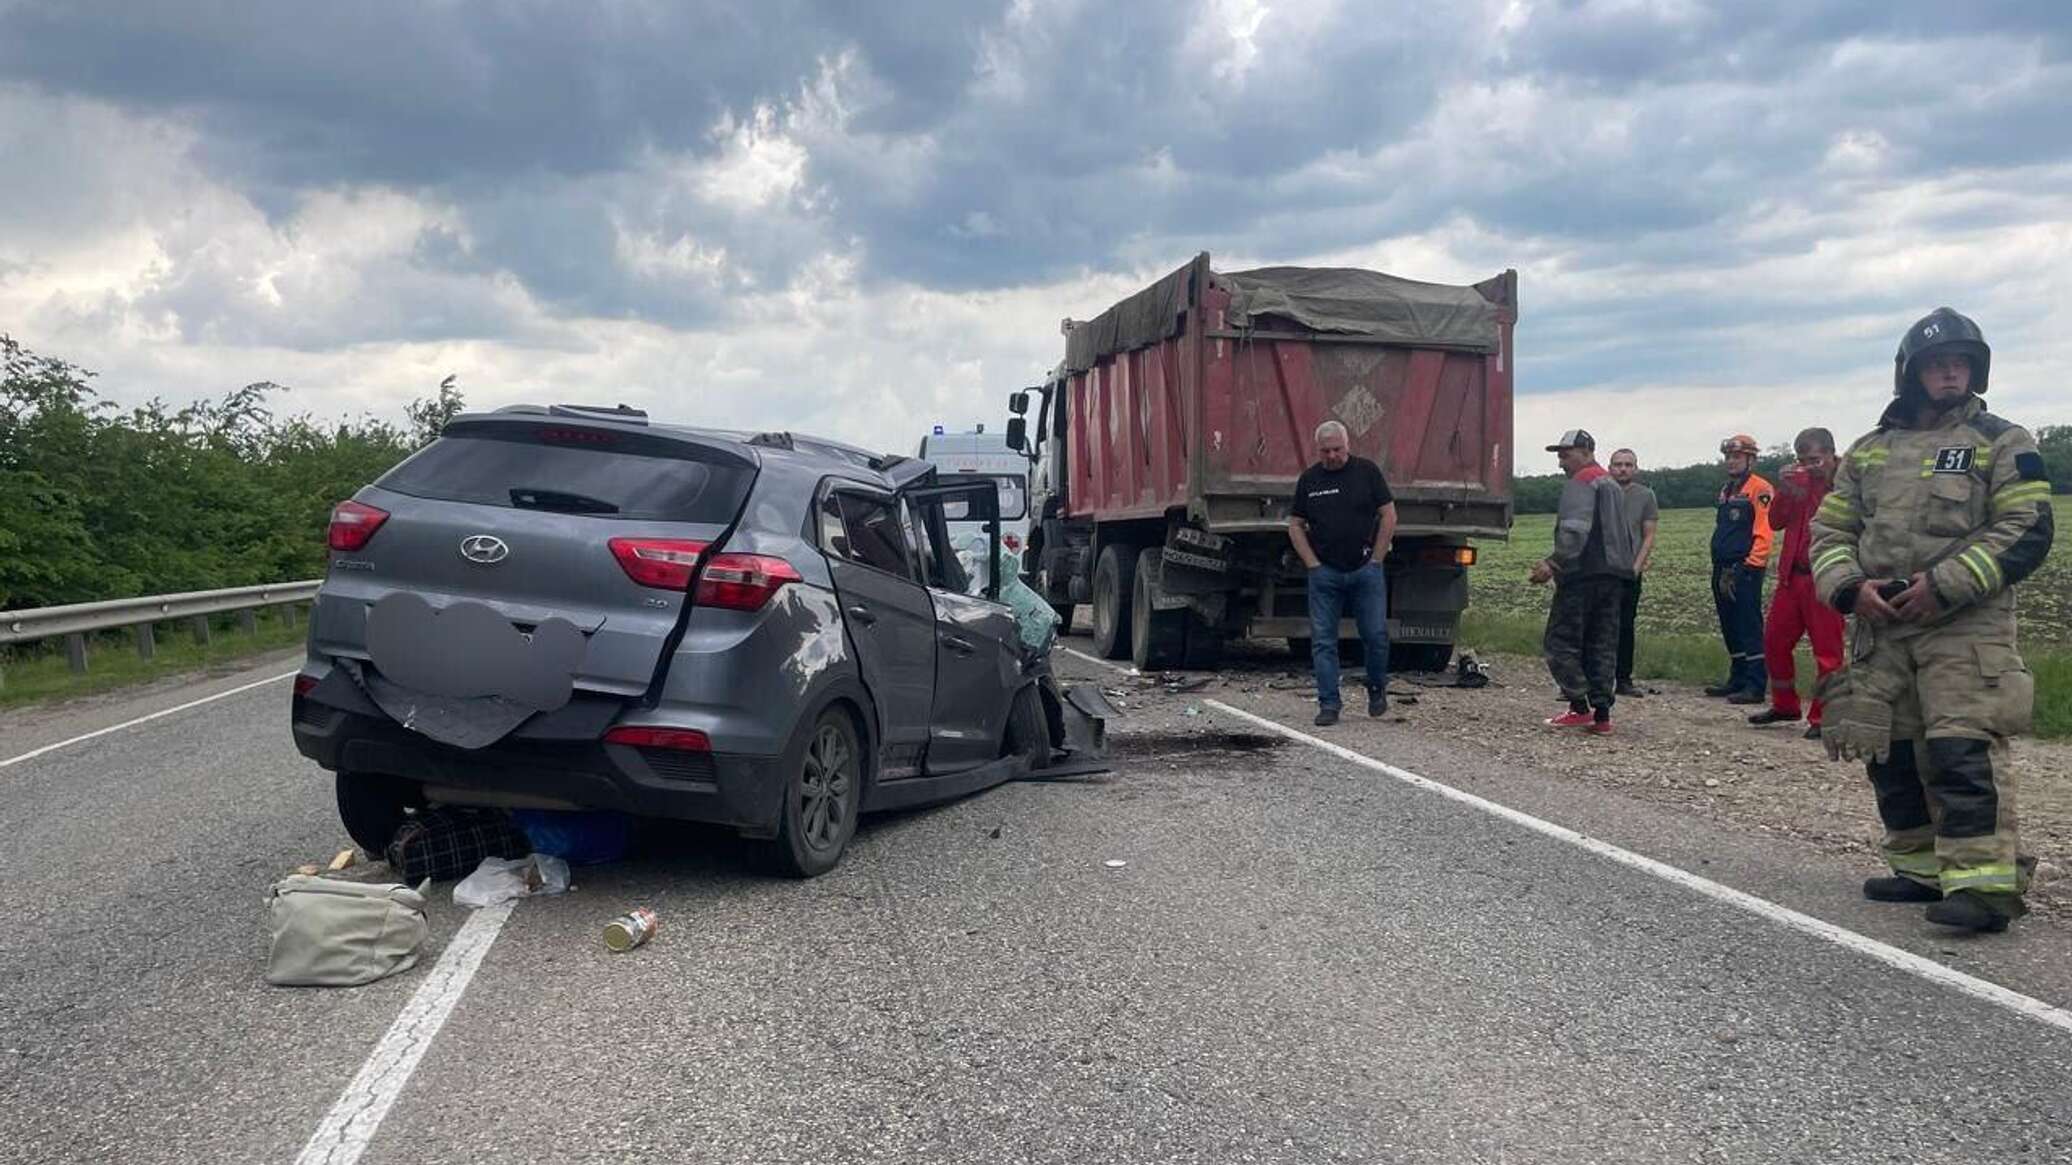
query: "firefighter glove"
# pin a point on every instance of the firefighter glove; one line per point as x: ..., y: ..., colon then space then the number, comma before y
x: 1726, y: 581
x: 1854, y: 724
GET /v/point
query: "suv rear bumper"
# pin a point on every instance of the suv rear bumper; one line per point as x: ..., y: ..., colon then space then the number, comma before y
x: 744, y: 792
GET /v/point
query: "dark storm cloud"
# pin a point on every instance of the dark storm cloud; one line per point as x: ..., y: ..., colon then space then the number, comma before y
x: 962, y: 145
x: 435, y: 93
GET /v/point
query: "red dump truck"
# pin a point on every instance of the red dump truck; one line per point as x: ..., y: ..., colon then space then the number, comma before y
x: 1167, y: 444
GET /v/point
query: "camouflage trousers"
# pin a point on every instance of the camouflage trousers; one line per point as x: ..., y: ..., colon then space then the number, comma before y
x: 1958, y: 690
x: 1582, y: 641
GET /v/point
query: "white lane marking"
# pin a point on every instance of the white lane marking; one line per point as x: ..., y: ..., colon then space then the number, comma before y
x: 1109, y: 664
x: 2022, y: 1005
x: 34, y: 753
x: 349, y: 1127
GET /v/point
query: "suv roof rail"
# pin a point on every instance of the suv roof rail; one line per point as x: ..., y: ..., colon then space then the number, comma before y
x: 798, y: 443
x: 602, y: 412
x: 529, y: 410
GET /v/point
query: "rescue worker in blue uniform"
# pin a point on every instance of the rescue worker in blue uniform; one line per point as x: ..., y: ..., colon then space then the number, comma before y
x: 1741, y: 539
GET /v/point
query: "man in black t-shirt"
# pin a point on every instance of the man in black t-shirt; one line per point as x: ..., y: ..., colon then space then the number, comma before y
x: 1342, y: 522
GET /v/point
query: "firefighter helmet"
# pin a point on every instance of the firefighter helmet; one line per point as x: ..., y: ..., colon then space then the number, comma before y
x: 1740, y: 443
x: 1941, y: 328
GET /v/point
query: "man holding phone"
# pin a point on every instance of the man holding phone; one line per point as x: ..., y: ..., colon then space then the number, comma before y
x: 1935, y: 516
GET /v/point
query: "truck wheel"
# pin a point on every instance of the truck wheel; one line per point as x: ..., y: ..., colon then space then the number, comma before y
x: 1115, y: 576
x: 1158, y: 639
x: 370, y: 806
x: 1420, y: 656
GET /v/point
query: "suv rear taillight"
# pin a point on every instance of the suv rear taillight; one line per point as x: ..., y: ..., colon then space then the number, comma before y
x: 664, y: 563
x: 352, y: 523
x: 743, y: 582
x: 645, y: 736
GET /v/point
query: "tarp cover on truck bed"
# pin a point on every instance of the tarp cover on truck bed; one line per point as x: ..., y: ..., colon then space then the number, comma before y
x: 1340, y: 300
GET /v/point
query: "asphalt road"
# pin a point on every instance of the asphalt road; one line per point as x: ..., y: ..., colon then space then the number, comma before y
x: 1301, y: 960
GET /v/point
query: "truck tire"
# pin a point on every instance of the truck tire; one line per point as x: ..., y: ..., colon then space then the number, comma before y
x: 1115, y: 576
x: 1158, y: 639
x: 1420, y: 656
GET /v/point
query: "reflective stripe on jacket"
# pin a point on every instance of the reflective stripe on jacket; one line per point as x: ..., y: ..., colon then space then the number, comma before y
x: 1741, y: 527
x: 1965, y: 500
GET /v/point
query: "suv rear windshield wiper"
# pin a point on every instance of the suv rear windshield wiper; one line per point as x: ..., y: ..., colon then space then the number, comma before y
x: 556, y: 500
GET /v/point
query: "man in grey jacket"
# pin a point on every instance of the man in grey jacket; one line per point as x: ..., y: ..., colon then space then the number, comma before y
x: 1590, y: 566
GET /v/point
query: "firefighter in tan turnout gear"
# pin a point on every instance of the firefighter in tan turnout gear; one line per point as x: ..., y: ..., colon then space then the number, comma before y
x: 1935, y: 516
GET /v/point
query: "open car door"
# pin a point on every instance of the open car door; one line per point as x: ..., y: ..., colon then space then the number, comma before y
x: 978, y: 655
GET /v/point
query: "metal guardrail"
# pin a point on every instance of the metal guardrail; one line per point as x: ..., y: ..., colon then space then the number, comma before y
x: 75, y: 621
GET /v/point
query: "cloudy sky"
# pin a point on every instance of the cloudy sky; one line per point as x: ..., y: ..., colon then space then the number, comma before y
x: 864, y: 218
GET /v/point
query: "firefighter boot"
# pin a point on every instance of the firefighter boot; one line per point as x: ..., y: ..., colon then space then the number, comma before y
x: 1972, y: 910
x: 1898, y: 889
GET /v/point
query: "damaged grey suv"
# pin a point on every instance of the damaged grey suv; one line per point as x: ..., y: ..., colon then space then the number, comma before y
x: 571, y: 607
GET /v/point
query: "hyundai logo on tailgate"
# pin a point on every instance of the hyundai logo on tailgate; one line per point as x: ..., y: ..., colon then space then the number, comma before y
x: 486, y: 549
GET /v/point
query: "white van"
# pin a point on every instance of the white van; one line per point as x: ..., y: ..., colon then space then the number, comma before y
x: 980, y: 452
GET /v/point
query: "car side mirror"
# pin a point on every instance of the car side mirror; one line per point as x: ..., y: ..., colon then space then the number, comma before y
x: 1018, y: 402
x: 1018, y: 433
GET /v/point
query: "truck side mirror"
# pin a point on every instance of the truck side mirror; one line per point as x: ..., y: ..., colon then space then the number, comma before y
x: 1018, y: 433
x: 1018, y: 402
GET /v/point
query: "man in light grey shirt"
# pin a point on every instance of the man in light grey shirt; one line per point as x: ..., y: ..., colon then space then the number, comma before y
x: 1643, y: 515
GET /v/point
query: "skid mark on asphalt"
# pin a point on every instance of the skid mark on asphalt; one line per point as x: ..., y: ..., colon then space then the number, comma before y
x: 354, y: 1118
x: 2025, y: 1006
x: 85, y: 736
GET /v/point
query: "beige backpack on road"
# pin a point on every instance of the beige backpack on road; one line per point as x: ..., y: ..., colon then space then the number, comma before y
x: 333, y: 933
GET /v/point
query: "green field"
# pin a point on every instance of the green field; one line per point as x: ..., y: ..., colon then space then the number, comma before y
x: 1678, y: 636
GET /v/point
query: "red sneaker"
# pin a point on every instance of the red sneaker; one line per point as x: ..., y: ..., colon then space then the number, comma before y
x: 1569, y: 720
x: 1601, y: 728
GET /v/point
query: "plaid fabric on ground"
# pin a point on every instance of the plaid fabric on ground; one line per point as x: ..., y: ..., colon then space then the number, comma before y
x: 449, y: 842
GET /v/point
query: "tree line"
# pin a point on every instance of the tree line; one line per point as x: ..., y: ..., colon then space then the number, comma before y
x: 1696, y: 486
x: 99, y: 502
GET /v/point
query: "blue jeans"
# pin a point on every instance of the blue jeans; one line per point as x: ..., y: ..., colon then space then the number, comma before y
x: 1331, y: 592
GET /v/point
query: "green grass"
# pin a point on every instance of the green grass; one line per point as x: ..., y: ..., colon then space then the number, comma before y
x: 32, y: 673
x: 1678, y: 633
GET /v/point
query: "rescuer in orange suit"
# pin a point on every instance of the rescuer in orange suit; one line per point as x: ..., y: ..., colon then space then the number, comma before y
x: 1741, y: 537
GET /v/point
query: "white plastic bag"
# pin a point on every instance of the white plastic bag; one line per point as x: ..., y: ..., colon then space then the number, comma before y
x: 502, y: 879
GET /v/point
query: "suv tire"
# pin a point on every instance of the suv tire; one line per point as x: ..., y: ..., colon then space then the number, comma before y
x: 371, y: 805
x: 1028, y: 733
x: 821, y: 796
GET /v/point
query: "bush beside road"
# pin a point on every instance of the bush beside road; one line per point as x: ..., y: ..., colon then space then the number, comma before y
x: 1678, y: 637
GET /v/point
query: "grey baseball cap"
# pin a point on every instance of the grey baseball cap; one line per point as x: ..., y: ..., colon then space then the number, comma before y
x: 1574, y: 439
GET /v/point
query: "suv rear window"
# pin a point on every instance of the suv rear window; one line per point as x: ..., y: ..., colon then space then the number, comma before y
x: 525, y: 469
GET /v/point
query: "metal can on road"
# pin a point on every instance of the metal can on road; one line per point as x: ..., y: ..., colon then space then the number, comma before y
x: 631, y: 929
